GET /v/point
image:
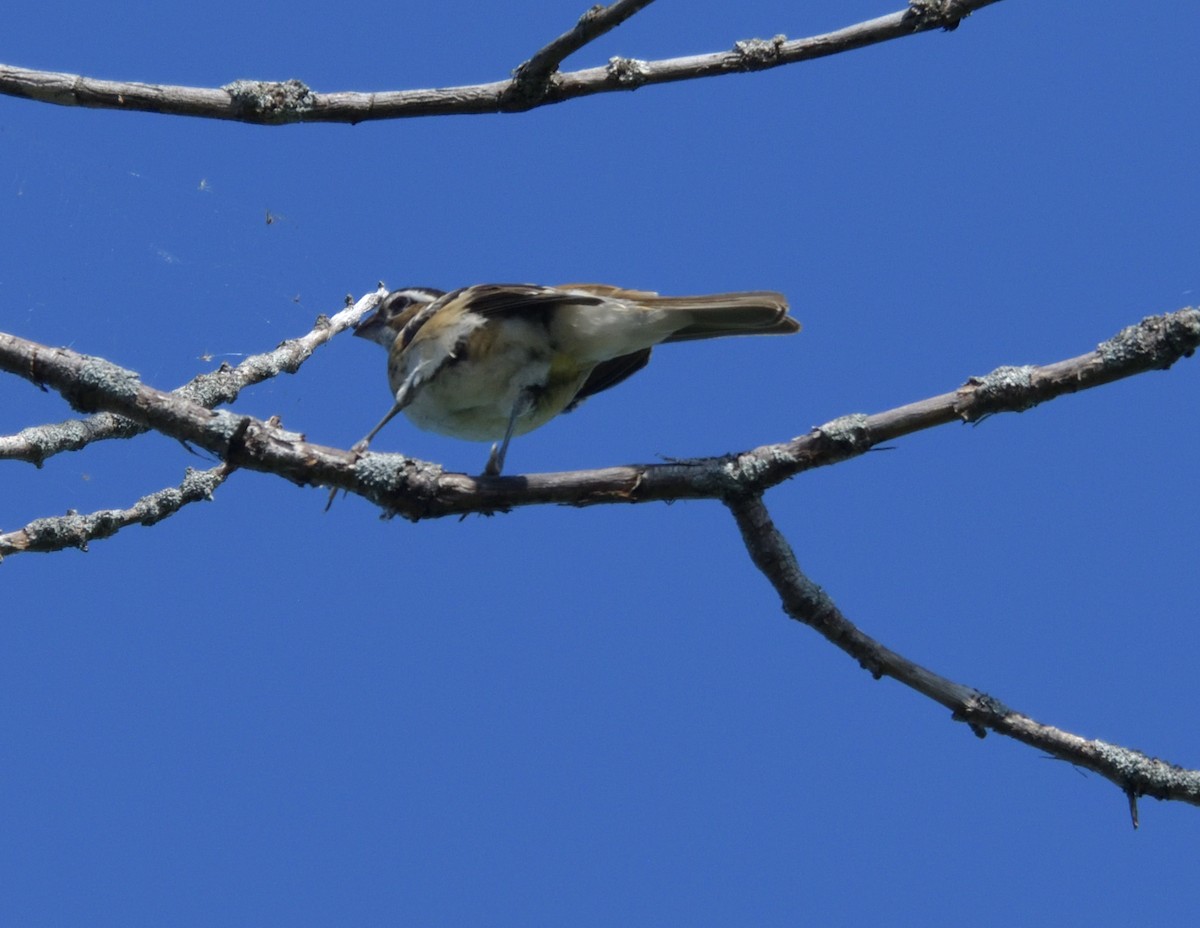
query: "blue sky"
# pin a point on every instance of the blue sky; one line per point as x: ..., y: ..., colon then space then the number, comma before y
x: 257, y: 713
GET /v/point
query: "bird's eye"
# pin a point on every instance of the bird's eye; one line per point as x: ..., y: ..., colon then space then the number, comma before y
x: 408, y: 300
x: 398, y: 302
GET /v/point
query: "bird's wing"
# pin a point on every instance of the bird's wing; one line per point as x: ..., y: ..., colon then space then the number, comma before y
x: 608, y: 290
x: 610, y: 373
x: 519, y: 299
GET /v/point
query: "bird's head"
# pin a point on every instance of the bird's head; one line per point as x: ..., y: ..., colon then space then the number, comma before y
x: 397, y: 308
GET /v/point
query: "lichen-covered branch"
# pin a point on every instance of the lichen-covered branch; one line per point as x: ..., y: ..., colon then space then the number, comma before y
x: 37, y: 443
x: 75, y: 531
x: 290, y: 101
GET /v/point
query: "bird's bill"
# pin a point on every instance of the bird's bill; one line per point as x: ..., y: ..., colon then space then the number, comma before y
x: 368, y: 327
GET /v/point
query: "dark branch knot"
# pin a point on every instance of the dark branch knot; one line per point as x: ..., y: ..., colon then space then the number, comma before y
x: 1156, y: 341
x: 591, y: 14
x: 981, y: 711
x: 528, y: 88
x: 759, y: 53
x: 990, y: 706
x: 275, y: 100
x: 844, y: 437
x: 937, y: 14
x: 628, y: 72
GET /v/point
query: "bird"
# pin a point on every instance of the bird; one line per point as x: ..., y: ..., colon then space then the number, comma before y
x: 492, y: 361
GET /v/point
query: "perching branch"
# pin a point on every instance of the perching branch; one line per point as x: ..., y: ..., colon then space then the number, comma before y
x: 536, y: 83
x: 417, y: 489
x: 1134, y: 772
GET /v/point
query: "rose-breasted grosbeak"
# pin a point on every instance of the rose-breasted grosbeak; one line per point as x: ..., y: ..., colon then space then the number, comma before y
x: 496, y: 360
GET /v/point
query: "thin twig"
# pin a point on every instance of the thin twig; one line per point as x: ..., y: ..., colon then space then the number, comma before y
x: 75, y: 531
x: 272, y: 103
x: 417, y: 489
x: 1134, y: 772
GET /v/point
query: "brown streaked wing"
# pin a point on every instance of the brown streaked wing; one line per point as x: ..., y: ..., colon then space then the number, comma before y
x: 518, y: 299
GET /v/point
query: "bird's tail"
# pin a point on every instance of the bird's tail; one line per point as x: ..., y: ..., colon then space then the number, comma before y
x: 750, y: 312
x: 746, y: 312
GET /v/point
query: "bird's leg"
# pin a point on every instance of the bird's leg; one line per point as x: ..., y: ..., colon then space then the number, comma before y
x: 361, y: 445
x: 403, y: 397
x: 495, y: 462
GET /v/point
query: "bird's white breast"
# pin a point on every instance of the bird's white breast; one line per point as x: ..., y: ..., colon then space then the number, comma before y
x: 475, y: 398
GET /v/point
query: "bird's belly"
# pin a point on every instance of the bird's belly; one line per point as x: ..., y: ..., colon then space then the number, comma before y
x: 474, y: 402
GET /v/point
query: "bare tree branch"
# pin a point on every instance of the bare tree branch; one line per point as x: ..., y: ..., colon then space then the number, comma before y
x: 75, y: 531
x: 1134, y: 772
x: 275, y: 103
x: 37, y: 443
x: 417, y: 489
